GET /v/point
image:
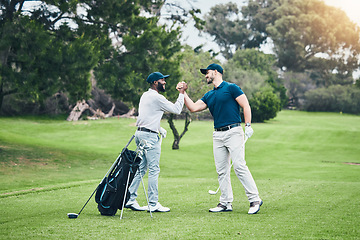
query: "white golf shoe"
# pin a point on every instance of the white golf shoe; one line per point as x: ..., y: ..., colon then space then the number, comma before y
x: 158, y: 208
x: 255, y: 207
x: 222, y: 208
x: 135, y: 206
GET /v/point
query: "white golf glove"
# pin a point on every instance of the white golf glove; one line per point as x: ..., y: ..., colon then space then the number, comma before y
x: 162, y: 132
x: 248, y: 131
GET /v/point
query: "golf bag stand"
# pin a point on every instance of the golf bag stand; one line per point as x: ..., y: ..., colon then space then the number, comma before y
x: 113, y: 192
x: 132, y: 137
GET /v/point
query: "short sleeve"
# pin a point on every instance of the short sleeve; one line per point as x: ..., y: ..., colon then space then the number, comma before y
x: 235, y: 90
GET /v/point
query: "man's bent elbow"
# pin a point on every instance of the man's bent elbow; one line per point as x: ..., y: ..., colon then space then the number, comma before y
x: 191, y: 109
x: 194, y: 109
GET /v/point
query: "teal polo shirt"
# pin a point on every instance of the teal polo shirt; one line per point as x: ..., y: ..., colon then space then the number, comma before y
x: 222, y: 104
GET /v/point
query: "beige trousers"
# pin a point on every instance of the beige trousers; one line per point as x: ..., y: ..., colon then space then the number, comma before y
x: 229, y: 145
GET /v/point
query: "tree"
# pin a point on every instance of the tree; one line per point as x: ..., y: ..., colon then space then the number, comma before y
x: 336, y: 98
x: 235, y: 28
x: 148, y: 48
x: 307, y: 35
x: 254, y: 60
x: 258, y: 14
x: 190, y: 64
x: 264, y: 105
x: 310, y: 28
x: 253, y: 70
x: 123, y: 73
x: 41, y: 56
x: 52, y: 47
x: 297, y: 84
x: 229, y: 31
x: 357, y: 83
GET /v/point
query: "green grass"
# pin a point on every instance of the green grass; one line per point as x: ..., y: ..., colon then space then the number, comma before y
x: 49, y: 167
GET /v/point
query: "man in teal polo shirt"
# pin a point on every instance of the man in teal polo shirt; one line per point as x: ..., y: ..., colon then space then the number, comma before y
x: 224, y: 103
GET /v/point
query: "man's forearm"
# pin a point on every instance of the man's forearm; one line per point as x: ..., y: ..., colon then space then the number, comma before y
x: 247, y: 114
x: 189, y: 103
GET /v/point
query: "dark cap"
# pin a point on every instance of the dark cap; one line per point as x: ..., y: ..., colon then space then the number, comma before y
x: 155, y: 76
x: 212, y: 66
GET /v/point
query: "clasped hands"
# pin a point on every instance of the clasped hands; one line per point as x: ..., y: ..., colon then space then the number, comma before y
x: 181, y: 87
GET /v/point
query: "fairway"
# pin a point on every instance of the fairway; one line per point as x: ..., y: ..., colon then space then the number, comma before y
x: 306, y: 167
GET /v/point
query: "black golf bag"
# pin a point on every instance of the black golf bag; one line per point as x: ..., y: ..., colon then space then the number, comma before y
x: 113, y: 190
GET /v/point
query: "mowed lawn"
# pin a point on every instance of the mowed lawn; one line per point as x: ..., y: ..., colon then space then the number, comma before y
x: 306, y: 166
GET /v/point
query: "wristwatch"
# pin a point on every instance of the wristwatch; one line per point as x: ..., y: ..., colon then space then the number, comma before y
x: 247, y: 124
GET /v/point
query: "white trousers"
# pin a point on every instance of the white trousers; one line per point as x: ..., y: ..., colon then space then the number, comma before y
x: 230, y: 144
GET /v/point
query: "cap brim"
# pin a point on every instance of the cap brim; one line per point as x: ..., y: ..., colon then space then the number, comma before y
x: 203, y: 70
x: 166, y: 76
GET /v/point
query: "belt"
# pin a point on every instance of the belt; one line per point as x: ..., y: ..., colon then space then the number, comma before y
x: 146, y: 130
x: 228, y: 127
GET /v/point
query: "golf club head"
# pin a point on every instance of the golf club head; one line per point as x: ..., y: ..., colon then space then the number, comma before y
x: 211, y: 192
x: 72, y: 215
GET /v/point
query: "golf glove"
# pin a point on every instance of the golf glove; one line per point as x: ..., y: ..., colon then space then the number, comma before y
x: 248, y: 131
x: 162, y: 132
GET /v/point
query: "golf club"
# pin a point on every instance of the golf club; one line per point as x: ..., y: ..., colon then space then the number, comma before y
x: 211, y: 192
x: 75, y: 215
x: 142, y: 182
x: 139, y: 151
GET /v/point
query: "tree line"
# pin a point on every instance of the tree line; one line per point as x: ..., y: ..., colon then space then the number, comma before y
x: 56, y: 47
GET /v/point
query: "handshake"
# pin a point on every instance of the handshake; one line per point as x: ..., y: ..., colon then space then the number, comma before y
x: 181, y: 87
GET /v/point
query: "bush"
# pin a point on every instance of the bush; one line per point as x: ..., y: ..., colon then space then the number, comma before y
x: 263, y: 101
x: 357, y: 83
x: 264, y: 105
x: 21, y: 104
x: 335, y: 98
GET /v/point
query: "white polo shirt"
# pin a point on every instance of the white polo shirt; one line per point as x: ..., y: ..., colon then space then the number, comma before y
x: 152, y: 107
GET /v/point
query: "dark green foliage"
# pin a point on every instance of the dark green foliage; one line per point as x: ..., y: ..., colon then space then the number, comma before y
x: 230, y: 31
x: 54, y: 47
x: 254, y: 60
x: 265, y: 64
x: 300, y: 30
x: 191, y: 62
x: 335, y: 98
x: 264, y: 105
x: 124, y: 74
x: 253, y: 71
x: 357, y: 83
x: 41, y: 56
x: 306, y: 35
x: 27, y: 45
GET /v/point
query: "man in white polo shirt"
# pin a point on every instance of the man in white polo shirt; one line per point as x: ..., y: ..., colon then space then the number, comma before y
x: 151, y: 109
